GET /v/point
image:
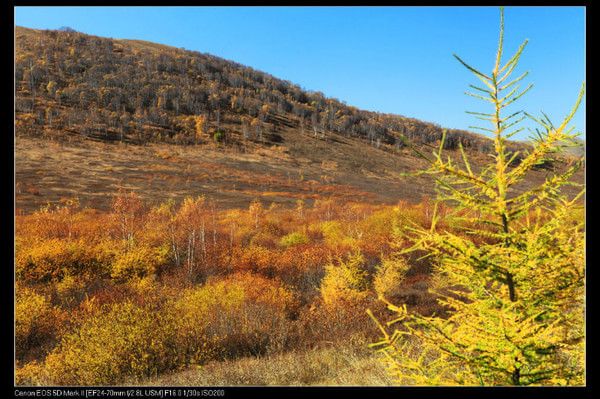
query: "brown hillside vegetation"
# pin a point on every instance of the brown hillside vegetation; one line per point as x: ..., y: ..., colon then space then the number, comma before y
x: 69, y: 83
x: 305, y: 168
x: 248, y: 134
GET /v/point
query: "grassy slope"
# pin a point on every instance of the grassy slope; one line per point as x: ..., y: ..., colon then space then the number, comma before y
x: 302, y: 167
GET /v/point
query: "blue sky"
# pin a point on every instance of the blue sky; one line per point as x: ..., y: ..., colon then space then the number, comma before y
x: 387, y: 59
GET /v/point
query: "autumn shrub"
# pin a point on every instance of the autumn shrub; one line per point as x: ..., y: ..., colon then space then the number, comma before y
x: 345, y: 280
x: 255, y: 258
x: 36, y: 320
x: 272, y: 281
x: 256, y: 213
x: 163, y: 226
x: 52, y: 221
x: 121, y: 340
x: 335, y: 235
x: 108, y: 293
x: 321, y: 323
x: 70, y: 290
x: 32, y: 373
x: 314, y: 231
x: 389, y: 277
x: 51, y: 260
x: 325, y: 209
x: 243, y: 314
x: 138, y: 262
x: 408, y: 214
x: 128, y: 212
x: 375, y: 232
x: 303, y: 267
x: 263, y: 238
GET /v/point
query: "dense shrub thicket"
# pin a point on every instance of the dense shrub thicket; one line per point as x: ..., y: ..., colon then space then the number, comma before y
x: 104, y: 297
x: 140, y: 290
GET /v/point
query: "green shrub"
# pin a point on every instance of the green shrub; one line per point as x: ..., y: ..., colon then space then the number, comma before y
x: 219, y: 136
x: 295, y: 238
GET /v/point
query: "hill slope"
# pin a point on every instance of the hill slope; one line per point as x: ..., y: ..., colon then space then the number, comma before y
x: 131, y: 90
x: 238, y: 133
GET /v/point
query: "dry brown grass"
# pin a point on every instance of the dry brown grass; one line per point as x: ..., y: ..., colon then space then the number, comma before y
x: 347, y: 365
x: 306, y: 169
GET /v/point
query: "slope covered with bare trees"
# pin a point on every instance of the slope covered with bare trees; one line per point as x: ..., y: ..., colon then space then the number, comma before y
x: 69, y: 83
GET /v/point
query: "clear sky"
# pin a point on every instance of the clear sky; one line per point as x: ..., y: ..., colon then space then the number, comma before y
x: 387, y: 59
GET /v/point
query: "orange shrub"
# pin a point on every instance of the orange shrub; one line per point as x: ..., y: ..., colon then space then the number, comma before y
x: 64, y: 221
x: 254, y: 258
x: 264, y: 238
x: 303, y: 267
x: 375, y: 232
x: 338, y: 322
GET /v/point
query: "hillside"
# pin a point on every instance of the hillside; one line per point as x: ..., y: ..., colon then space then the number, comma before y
x: 188, y: 123
x: 135, y: 91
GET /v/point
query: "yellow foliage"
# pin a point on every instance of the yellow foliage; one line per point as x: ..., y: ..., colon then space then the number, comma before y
x: 34, y: 319
x: 51, y: 260
x: 70, y: 289
x: 32, y: 373
x: 346, y: 281
x: 122, y: 340
x: 138, y: 262
x: 242, y: 314
x: 388, y: 277
x: 334, y: 234
x: 513, y: 285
